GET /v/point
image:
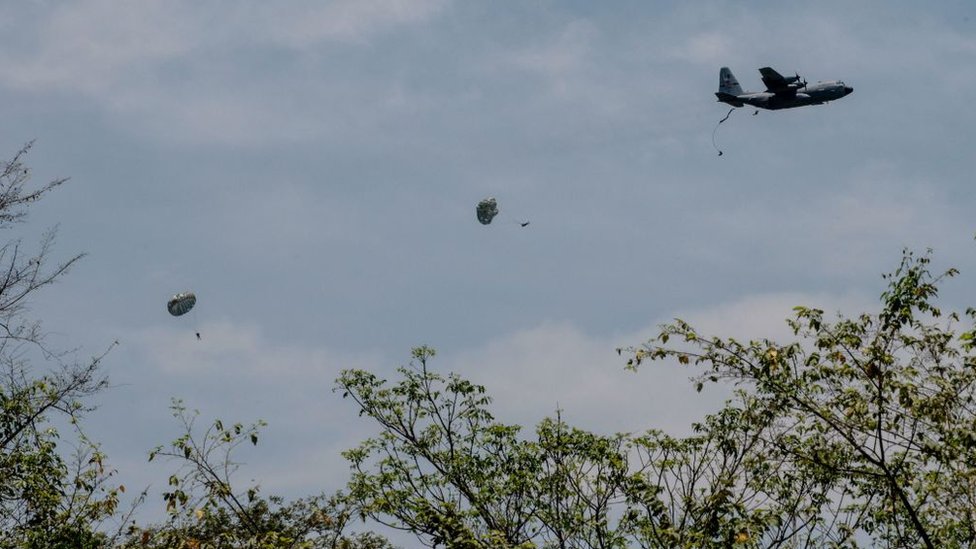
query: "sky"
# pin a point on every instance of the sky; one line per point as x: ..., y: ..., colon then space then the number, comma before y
x: 311, y: 169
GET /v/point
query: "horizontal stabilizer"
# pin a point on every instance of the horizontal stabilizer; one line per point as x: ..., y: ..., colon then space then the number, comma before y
x: 729, y: 98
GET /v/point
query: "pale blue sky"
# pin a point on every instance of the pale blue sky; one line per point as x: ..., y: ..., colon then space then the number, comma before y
x: 311, y: 170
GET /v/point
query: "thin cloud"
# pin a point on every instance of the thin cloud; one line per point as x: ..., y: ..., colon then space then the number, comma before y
x: 96, y: 45
x: 92, y: 47
x: 351, y: 21
x: 173, y: 69
x: 532, y: 372
x: 238, y: 350
x: 562, y: 55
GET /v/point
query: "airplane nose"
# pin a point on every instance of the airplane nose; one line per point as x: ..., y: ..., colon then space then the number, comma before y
x: 848, y: 90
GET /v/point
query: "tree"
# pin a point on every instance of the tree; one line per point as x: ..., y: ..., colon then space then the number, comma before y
x: 444, y: 469
x: 581, y: 482
x: 860, y: 431
x: 48, y: 497
x: 206, y: 510
x: 59, y: 492
x: 868, y: 421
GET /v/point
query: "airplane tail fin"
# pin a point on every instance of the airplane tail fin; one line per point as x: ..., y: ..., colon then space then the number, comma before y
x: 727, y: 84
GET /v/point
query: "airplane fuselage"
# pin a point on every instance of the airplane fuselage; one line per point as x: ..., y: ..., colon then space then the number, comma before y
x: 811, y: 94
x: 782, y: 92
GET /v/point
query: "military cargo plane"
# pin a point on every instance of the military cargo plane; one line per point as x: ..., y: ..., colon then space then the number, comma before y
x: 782, y: 92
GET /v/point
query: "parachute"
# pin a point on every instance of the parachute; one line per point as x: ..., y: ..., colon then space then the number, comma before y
x: 487, y: 210
x: 181, y: 303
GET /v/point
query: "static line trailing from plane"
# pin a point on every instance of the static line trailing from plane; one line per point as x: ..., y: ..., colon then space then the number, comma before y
x: 727, y: 115
x: 782, y: 92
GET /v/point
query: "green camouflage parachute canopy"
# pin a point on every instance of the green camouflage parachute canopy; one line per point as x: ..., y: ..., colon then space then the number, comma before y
x: 181, y: 303
x: 487, y: 210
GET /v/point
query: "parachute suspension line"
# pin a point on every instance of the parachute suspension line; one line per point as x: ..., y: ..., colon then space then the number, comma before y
x: 727, y: 115
x: 513, y: 220
x: 196, y: 324
x: 518, y: 219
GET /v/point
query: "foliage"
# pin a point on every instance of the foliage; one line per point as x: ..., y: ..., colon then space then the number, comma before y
x: 207, y: 511
x: 861, y: 431
x: 48, y: 497
x: 58, y: 492
x: 443, y: 468
x: 446, y: 470
x: 867, y: 422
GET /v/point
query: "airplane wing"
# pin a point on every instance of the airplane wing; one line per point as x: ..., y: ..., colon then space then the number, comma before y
x: 776, y: 82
